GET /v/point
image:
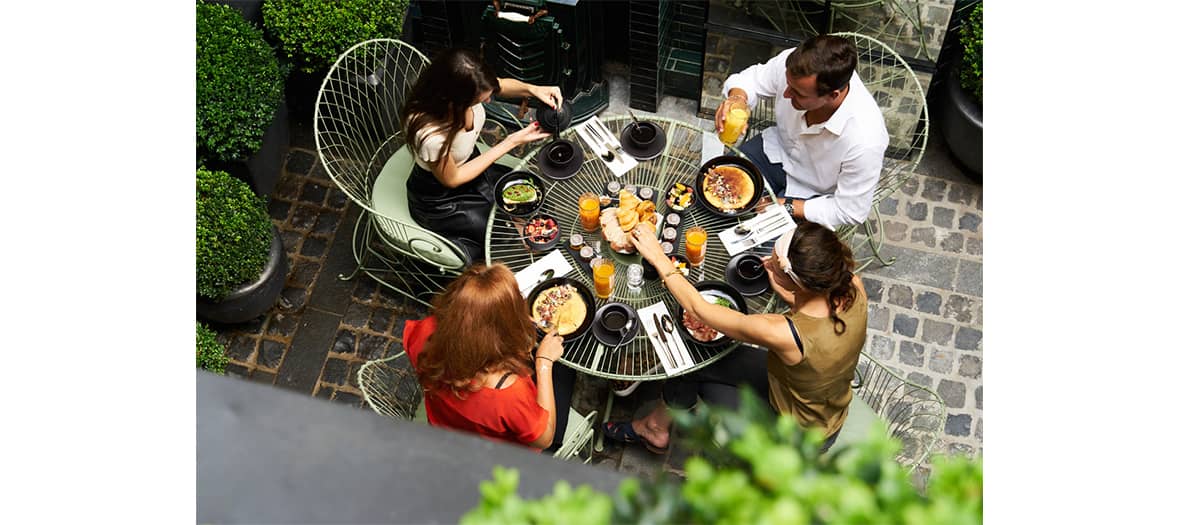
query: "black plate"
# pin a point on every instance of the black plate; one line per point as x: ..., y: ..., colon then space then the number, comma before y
x: 705, y: 287
x: 519, y: 210
x: 746, y: 287
x: 737, y: 162
x: 608, y: 337
x: 582, y: 289
x: 564, y: 172
x: 648, y: 152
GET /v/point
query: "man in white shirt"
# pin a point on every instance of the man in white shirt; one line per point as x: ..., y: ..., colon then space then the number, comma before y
x: 823, y: 156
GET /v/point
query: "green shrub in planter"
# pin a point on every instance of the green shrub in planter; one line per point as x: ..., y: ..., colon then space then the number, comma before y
x: 233, y: 234
x: 210, y: 353
x: 239, y: 85
x: 756, y: 467
x: 971, y: 36
x: 314, y: 33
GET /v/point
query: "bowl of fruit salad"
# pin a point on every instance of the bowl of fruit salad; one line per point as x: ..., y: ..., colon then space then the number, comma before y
x: 541, y: 233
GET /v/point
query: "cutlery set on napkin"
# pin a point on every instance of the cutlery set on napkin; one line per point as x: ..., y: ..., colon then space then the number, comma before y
x: 606, y: 145
x: 548, y: 267
x: 766, y: 226
x: 665, y: 338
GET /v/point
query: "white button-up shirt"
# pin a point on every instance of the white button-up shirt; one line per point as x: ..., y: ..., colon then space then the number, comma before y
x: 839, y: 160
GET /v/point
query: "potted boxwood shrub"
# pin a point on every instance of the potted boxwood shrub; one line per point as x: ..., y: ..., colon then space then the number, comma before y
x: 312, y: 34
x: 210, y: 353
x: 242, y: 125
x: 961, y: 104
x: 241, y: 266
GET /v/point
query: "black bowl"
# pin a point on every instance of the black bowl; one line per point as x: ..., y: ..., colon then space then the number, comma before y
x: 582, y: 289
x: 747, y: 275
x: 512, y: 179
x: 543, y: 246
x: 707, y: 289
x: 650, y: 273
x: 560, y: 159
x: 619, y: 314
x: 736, y: 162
x: 552, y: 120
x: 642, y: 133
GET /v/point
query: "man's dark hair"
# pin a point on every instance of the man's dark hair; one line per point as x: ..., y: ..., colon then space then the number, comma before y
x: 831, y: 59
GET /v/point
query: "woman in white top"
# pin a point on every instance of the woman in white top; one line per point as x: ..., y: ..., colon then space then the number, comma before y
x: 450, y: 188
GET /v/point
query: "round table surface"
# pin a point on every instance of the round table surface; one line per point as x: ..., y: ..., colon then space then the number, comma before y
x: 679, y: 162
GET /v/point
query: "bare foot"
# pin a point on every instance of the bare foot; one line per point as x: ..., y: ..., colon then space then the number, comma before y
x: 654, y: 427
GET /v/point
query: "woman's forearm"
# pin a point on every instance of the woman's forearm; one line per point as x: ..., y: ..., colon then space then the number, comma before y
x: 470, y: 170
x: 513, y: 88
x: 545, y: 398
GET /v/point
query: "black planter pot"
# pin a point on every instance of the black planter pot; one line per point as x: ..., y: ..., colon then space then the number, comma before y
x: 253, y: 299
x: 261, y: 171
x: 962, y: 123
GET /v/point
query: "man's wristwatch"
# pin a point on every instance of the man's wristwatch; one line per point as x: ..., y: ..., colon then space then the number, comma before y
x: 790, y: 206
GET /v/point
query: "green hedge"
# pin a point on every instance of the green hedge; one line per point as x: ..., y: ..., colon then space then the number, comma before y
x: 314, y: 33
x: 971, y: 76
x: 239, y: 85
x: 754, y: 467
x: 210, y: 353
x: 233, y: 234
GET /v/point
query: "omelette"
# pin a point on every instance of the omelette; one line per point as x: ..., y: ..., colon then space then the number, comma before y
x: 728, y: 188
x: 562, y: 305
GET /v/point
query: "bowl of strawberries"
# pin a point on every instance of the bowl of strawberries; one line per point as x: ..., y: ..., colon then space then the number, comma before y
x: 541, y: 232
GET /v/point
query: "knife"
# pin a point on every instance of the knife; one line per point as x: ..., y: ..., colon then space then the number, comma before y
x: 608, y: 138
x: 655, y: 318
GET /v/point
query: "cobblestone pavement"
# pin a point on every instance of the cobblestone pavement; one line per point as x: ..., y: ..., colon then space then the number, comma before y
x: 925, y: 314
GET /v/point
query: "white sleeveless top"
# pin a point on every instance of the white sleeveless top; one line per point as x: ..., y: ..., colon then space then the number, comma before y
x: 461, y: 149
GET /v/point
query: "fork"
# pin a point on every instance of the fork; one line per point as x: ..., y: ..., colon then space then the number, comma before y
x: 607, y: 154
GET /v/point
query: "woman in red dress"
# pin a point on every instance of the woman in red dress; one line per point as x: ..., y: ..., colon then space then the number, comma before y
x: 474, y: 360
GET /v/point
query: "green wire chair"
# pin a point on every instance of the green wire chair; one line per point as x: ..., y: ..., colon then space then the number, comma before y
x: 391, y: 388
x: 358, y: 137
x: 912, y: 413
x: 902, y: 100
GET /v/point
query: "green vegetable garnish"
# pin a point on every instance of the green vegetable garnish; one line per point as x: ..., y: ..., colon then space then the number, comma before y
x: 520, y: 193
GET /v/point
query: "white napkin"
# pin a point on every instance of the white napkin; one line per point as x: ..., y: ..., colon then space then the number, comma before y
x: 680, y: 359
x: 530, y: 276
x: 768, y: 225
x: 622, y: 162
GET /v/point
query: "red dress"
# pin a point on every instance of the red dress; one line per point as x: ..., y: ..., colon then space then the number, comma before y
x: 509, y: 414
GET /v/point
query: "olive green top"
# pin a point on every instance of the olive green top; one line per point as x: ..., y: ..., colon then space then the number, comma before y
x: 818, y: 389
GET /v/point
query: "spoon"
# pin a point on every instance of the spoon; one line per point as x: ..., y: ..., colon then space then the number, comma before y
x: 633, y: 117
x: 623, y: 333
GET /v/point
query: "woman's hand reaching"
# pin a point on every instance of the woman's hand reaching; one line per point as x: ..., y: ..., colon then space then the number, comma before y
x: 551, y: 347
x: 550, y: 95
x: 648, y: 246
x: 529, y: 133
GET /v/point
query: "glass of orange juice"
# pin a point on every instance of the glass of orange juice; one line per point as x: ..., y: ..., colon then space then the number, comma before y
x: 694, y: 245
x: 588, y: 211
x: 735, y: 120
x: 604, y: 276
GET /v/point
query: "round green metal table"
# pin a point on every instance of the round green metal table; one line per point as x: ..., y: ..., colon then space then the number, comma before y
x: 679, y: 162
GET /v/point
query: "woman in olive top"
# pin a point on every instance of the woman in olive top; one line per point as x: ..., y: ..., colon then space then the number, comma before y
x: 807, y: 357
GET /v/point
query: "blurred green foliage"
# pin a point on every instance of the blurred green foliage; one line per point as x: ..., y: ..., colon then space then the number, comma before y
x: 753, y: 467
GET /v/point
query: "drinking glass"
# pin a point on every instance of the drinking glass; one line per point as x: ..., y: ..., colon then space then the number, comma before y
x: 694, y: 245
x: 735, y: 120
x: 588, y: 211
x: 604, y: 277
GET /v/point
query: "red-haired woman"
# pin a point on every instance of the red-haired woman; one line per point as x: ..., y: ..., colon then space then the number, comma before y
x: 474, y: 361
